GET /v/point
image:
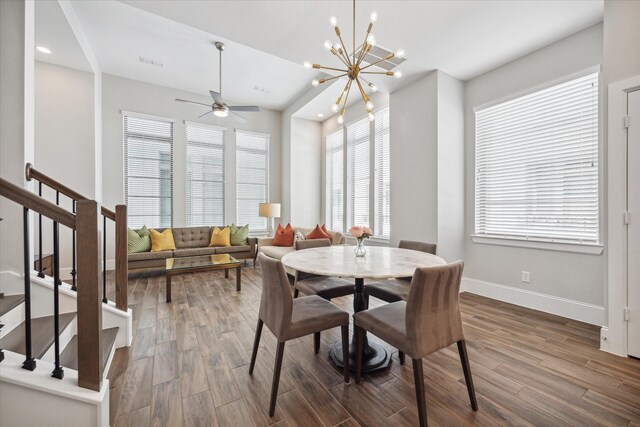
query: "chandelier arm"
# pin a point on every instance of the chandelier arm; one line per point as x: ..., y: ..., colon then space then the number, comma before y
x: 340, y: 57
x: 332, y: 78
x: 391, y: 55
x: 329, y: 68
x: 339, y: 100
x: 344, y: 49
x: 387, y: 73
x: 364, y: 50
x: 365, y: 98
x: 346, y: 97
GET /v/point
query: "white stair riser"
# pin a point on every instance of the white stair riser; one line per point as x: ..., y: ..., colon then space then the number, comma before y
x: 65, y: 337
x: 11, y: 319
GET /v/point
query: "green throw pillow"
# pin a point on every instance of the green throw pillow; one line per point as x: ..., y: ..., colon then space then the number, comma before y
x: 239, y: 236
x: 139, y: 241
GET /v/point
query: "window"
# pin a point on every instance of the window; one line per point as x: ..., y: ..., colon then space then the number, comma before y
x: 148, y: 152
x: 382, y: 174
x: 252, y: 178
x: 358, y: 173
x: 335, y: 184
x: 205, y: 175
x: 537, y: 165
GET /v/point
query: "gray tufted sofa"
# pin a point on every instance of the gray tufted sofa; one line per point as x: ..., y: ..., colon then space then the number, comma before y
x: 190, y: 241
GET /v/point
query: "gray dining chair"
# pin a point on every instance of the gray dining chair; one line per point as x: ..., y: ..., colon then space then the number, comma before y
x: 397, y: 289
x: 287, y: 318
x: 322, y: 286
x: 427, y: 322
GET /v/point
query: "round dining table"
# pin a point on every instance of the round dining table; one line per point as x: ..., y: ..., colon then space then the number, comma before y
x: 378, y: 264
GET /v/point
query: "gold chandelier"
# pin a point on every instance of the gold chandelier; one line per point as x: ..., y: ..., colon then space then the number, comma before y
x: 354, y: 69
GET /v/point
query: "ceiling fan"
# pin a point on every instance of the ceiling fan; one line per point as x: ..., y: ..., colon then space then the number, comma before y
x: 219, y: 108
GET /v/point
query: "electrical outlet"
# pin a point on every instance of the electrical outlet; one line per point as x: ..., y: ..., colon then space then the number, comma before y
x: 526, y: 277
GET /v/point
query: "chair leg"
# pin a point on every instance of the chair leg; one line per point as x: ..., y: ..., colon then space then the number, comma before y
x: 366, y: 301
x: 466, y: 368
x: 256, y: 343
x: 276, y: 379
x: 296, y: 292
x: 345, y: 352
x: 418, y: 378
x: 316, y: 342
x: 359, y: 348
x: 401, y: 357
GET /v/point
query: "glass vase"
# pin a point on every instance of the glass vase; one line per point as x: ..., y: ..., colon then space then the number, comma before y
x: 360, y: 250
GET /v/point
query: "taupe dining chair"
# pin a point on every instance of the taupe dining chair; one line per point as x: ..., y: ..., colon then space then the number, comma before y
x: 288, y: 318
x: 427, y: 322
x: 397, y: 289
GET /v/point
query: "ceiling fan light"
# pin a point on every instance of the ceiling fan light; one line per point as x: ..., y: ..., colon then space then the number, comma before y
x: 220, y: 110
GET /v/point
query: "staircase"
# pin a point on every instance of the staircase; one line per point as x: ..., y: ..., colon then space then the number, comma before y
x: 57, y: 339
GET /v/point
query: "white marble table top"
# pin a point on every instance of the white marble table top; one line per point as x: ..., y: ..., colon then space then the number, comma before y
x: 379, y: 263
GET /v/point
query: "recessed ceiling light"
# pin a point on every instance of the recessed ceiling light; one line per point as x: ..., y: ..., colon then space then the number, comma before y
x: 320, y: 115
x: 43, y: 49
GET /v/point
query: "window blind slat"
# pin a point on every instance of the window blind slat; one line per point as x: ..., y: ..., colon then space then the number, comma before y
x: 358, y: 173
x: 148, y: 160
x: 382, y: 174
x: 537, y: 165
x: 252, y: 178
x: 334, y: 152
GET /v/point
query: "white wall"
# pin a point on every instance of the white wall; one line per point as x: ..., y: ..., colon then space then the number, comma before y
x: 621, y: 39
x: 306, y: 152
x: 130, y: 95
x: 573, y: 276
x: 64, y: 139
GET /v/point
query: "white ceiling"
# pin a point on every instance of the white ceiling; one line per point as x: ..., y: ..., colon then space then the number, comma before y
x: 268, y: 40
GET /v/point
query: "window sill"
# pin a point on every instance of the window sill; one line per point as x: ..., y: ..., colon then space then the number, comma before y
x: 590, y: 249
x: 376, y: 241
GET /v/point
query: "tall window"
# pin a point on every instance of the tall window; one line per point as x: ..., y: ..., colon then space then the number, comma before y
x: 148, y: 152
x: 358, y: 173
x: 537, y: 165
x: 205, y: 174
x: 252, y: 178
x: 382, y: 174
x: 335, y: 183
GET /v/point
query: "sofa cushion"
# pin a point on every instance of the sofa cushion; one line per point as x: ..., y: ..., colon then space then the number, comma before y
x: 150, y: 255
x: 276, y: 252
x: 239, y: 235
x: 233, y: 249
x: 162, y: 241
x: 191, y: 237
x: 283, y: 236
x: 138, y: 241
x: 220, y: 237
x: 179, y: 253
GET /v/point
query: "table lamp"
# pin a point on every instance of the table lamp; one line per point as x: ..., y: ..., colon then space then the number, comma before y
x: 270, y: 210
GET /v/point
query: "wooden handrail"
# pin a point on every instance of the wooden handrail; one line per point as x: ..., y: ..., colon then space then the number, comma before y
x: 36, y: 203
x: 33, y: 173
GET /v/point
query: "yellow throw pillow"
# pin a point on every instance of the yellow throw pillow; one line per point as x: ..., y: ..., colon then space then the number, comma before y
x: 162, y: 241
x: 220, y: 237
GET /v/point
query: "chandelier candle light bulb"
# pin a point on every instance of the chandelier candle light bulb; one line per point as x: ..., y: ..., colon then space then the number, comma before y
x: 353, y: 65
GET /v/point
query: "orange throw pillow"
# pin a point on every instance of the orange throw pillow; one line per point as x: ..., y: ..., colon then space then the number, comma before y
x: 324, y: 228
x: 283, y: 236
x: 318, y: 233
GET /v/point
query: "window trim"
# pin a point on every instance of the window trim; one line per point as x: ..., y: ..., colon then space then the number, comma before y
x: 593, y: 248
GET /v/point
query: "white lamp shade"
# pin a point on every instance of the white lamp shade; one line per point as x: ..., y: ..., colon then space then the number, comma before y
x: 269, y: 210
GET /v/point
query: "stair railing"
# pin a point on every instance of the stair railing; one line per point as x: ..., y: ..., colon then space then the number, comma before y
x: 119, y: 217
x: 89, y: 310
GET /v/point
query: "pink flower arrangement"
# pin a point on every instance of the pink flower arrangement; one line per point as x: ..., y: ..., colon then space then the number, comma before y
x: 361, y: 232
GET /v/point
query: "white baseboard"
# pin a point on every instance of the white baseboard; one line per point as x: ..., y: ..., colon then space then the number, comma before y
x: 576, y: 310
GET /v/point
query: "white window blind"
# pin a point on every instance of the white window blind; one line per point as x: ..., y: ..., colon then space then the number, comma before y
x: 537, y: 165
x: 334, y: 181
x: 205, y: 175
x: 252, y: 178
x: 148, y: 155
x: 382, y: 174
x: 358, y: 173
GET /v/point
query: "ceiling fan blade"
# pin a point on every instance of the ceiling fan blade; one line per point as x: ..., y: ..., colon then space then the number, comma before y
x: 248, y: 108
x: 192, y: 102
x: 238, y: 117
x: 202, y: 115
x: 217, y: 98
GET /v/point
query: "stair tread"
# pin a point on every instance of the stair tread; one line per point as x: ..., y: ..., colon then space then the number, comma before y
x: 41, y: 335
x: 9, y: 302
x: 69, y: 356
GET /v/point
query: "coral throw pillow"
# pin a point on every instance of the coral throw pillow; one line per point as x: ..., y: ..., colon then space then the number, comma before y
x: 318, y: 233
x: 324, y: 228
x: 283, y: 236
x: 162, y: 241
x: 220, y: 237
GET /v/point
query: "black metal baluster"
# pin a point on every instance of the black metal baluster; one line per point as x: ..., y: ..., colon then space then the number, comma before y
x: 104, y: 260
x: 73, y: 253
x: 58, y: 372
x: 40, y: 273
x: 57, y: 279
x: 29, y: 363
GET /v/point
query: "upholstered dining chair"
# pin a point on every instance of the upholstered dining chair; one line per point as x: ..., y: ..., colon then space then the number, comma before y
x: 427, y: 322
x: 288, y: 318
x: 397, y: 289
x: 322, y: 286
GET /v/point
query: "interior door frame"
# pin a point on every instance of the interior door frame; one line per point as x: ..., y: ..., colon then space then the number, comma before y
x: 614, y: 338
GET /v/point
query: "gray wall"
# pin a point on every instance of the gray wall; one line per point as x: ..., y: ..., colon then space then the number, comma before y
x: 130, y: 95
x: 621, y: 40
x: 306, y: 152
x: 567, y: 275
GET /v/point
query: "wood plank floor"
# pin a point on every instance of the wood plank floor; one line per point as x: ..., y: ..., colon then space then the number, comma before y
x: 188, y: 365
